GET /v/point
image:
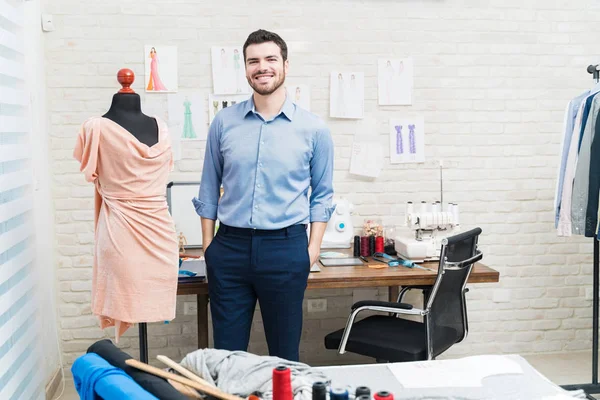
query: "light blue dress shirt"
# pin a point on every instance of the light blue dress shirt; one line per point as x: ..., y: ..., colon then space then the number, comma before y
x: 266, y: 168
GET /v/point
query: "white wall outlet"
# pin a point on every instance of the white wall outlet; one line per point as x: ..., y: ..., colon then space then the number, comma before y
x: 317, y: 305
x: 190, y: 308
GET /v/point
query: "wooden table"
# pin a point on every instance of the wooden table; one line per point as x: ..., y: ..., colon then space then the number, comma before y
x: 342, y: 277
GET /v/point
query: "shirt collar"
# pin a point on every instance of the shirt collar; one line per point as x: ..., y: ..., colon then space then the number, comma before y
x: 287, y: 109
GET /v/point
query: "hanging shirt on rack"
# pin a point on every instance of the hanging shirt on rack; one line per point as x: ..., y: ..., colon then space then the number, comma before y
x: 569, y: 122
x: 564, y: 220
x: 591, y: 218
x: 580, y: 194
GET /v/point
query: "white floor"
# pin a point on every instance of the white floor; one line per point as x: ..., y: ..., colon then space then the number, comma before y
x: 562, y: 369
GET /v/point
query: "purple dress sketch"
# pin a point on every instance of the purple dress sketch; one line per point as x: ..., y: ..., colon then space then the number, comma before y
x: 411, y: 139
x: 399, y: 146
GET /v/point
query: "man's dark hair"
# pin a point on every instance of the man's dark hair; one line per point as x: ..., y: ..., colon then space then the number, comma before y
x: 262, y: 36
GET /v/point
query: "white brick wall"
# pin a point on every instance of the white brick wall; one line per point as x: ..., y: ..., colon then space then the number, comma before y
x: 491, y: 78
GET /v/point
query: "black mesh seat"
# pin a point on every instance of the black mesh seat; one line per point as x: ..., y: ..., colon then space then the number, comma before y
x: 387, y: 337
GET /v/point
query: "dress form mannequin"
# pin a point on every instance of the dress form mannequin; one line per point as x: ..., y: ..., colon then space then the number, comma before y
x: 126, y: 110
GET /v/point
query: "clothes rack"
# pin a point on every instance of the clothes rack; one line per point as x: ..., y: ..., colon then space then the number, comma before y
x: 594, y: 387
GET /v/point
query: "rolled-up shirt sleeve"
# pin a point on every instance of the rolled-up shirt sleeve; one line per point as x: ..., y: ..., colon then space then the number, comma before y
x: 321, y: 177
x: 206, y: 203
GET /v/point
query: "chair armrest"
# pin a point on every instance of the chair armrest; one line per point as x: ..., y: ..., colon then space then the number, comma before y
x: 462, y: 264
x: 375, y: 303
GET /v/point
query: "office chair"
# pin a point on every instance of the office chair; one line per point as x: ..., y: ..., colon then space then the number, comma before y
x: 393, y: 339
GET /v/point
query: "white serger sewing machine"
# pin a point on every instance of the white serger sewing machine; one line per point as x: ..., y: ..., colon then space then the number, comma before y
x: 427, y: 227
x: 340, y: 230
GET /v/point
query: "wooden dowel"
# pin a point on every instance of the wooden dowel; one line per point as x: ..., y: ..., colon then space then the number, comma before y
x: 182, y: 370
x: 185, y: 390
x: 211, y: 390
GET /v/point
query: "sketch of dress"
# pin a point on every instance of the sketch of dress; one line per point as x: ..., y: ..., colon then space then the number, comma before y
x: 411, y: 139
x: 399, y: 145
x: 298, y: 95
x: 154, y: 82
x: 188, y: 127
x: 215, y: 107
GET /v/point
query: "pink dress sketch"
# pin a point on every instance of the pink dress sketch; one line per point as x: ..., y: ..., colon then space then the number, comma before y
x: 154, y: 82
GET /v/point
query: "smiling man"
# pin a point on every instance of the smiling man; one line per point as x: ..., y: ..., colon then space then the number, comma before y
x: 267, y: 153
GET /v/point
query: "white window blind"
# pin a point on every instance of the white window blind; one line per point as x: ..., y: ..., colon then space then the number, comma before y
x: 20, y: 372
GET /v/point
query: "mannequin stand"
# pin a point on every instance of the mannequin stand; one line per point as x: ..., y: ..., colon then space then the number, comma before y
x: 143, y: 343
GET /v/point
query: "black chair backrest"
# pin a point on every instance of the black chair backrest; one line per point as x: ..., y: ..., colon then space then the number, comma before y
x: 447, y: 320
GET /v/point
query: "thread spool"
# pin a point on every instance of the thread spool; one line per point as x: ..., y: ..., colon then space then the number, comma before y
x: 356, y: 246
x: 383, y: 395
x: 282, y: 383
x: 364, y: 246
x: 363, y: 397
x: 379, y: 244
x: 338, y: 394
x: 319, y: 391
x: 362, y: 391
x: 371, y: 245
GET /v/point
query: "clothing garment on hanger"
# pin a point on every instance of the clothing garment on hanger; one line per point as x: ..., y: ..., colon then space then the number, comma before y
x: 569, y: 124
x: 136, y: 249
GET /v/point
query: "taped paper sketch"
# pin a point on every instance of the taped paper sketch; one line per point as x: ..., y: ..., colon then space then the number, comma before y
x: 161, y: 68
x: 229, y: 76
x: 346, y: 95
x: 407, y: 140
x: 395, y: 81
x: 187, y: 116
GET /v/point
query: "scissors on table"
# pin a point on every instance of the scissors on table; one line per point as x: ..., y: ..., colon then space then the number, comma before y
x: 394, y: 262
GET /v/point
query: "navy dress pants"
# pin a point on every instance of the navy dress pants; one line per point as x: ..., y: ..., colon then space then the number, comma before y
x: 271, y: 266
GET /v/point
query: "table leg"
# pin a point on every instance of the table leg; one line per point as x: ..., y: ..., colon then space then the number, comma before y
x: 393, y: 292
x: 202, y: 304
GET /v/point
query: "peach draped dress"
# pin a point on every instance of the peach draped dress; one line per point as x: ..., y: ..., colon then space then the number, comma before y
x: 136, y: 254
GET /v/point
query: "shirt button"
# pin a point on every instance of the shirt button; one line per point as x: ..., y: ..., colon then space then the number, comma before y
x: 262, y: 142
x: 258, y: 185
x: 256, y: 207
x: 260, y: 164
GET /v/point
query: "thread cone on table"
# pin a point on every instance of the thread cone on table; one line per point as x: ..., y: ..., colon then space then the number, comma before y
x: 282, y: 383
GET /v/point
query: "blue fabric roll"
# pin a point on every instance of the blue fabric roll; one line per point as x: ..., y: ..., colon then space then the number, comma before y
x: 96, y: 379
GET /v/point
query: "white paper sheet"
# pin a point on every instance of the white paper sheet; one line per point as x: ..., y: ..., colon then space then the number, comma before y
x: 407, y: 140
x: 347, y: 95
x: 187, y: 116
x: 300, y: 95
x: 228, y: 71
x: 463, y: 372
x: 366, y: 159
x: 395, y: 81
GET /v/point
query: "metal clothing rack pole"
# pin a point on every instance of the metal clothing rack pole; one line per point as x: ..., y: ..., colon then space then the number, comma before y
x: 594, y: 387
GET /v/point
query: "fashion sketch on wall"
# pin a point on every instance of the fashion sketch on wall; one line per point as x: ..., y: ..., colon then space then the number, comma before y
x: 407, y: 143
x: 346, y: 97
x: 187, y: 116
x: 228, y: 72
x: 218, y: 102
x: 395, y: 81
x: 161, y: 68
x: 300, y: 95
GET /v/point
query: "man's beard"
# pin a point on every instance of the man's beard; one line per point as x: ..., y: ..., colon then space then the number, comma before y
x: 264, y: 91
